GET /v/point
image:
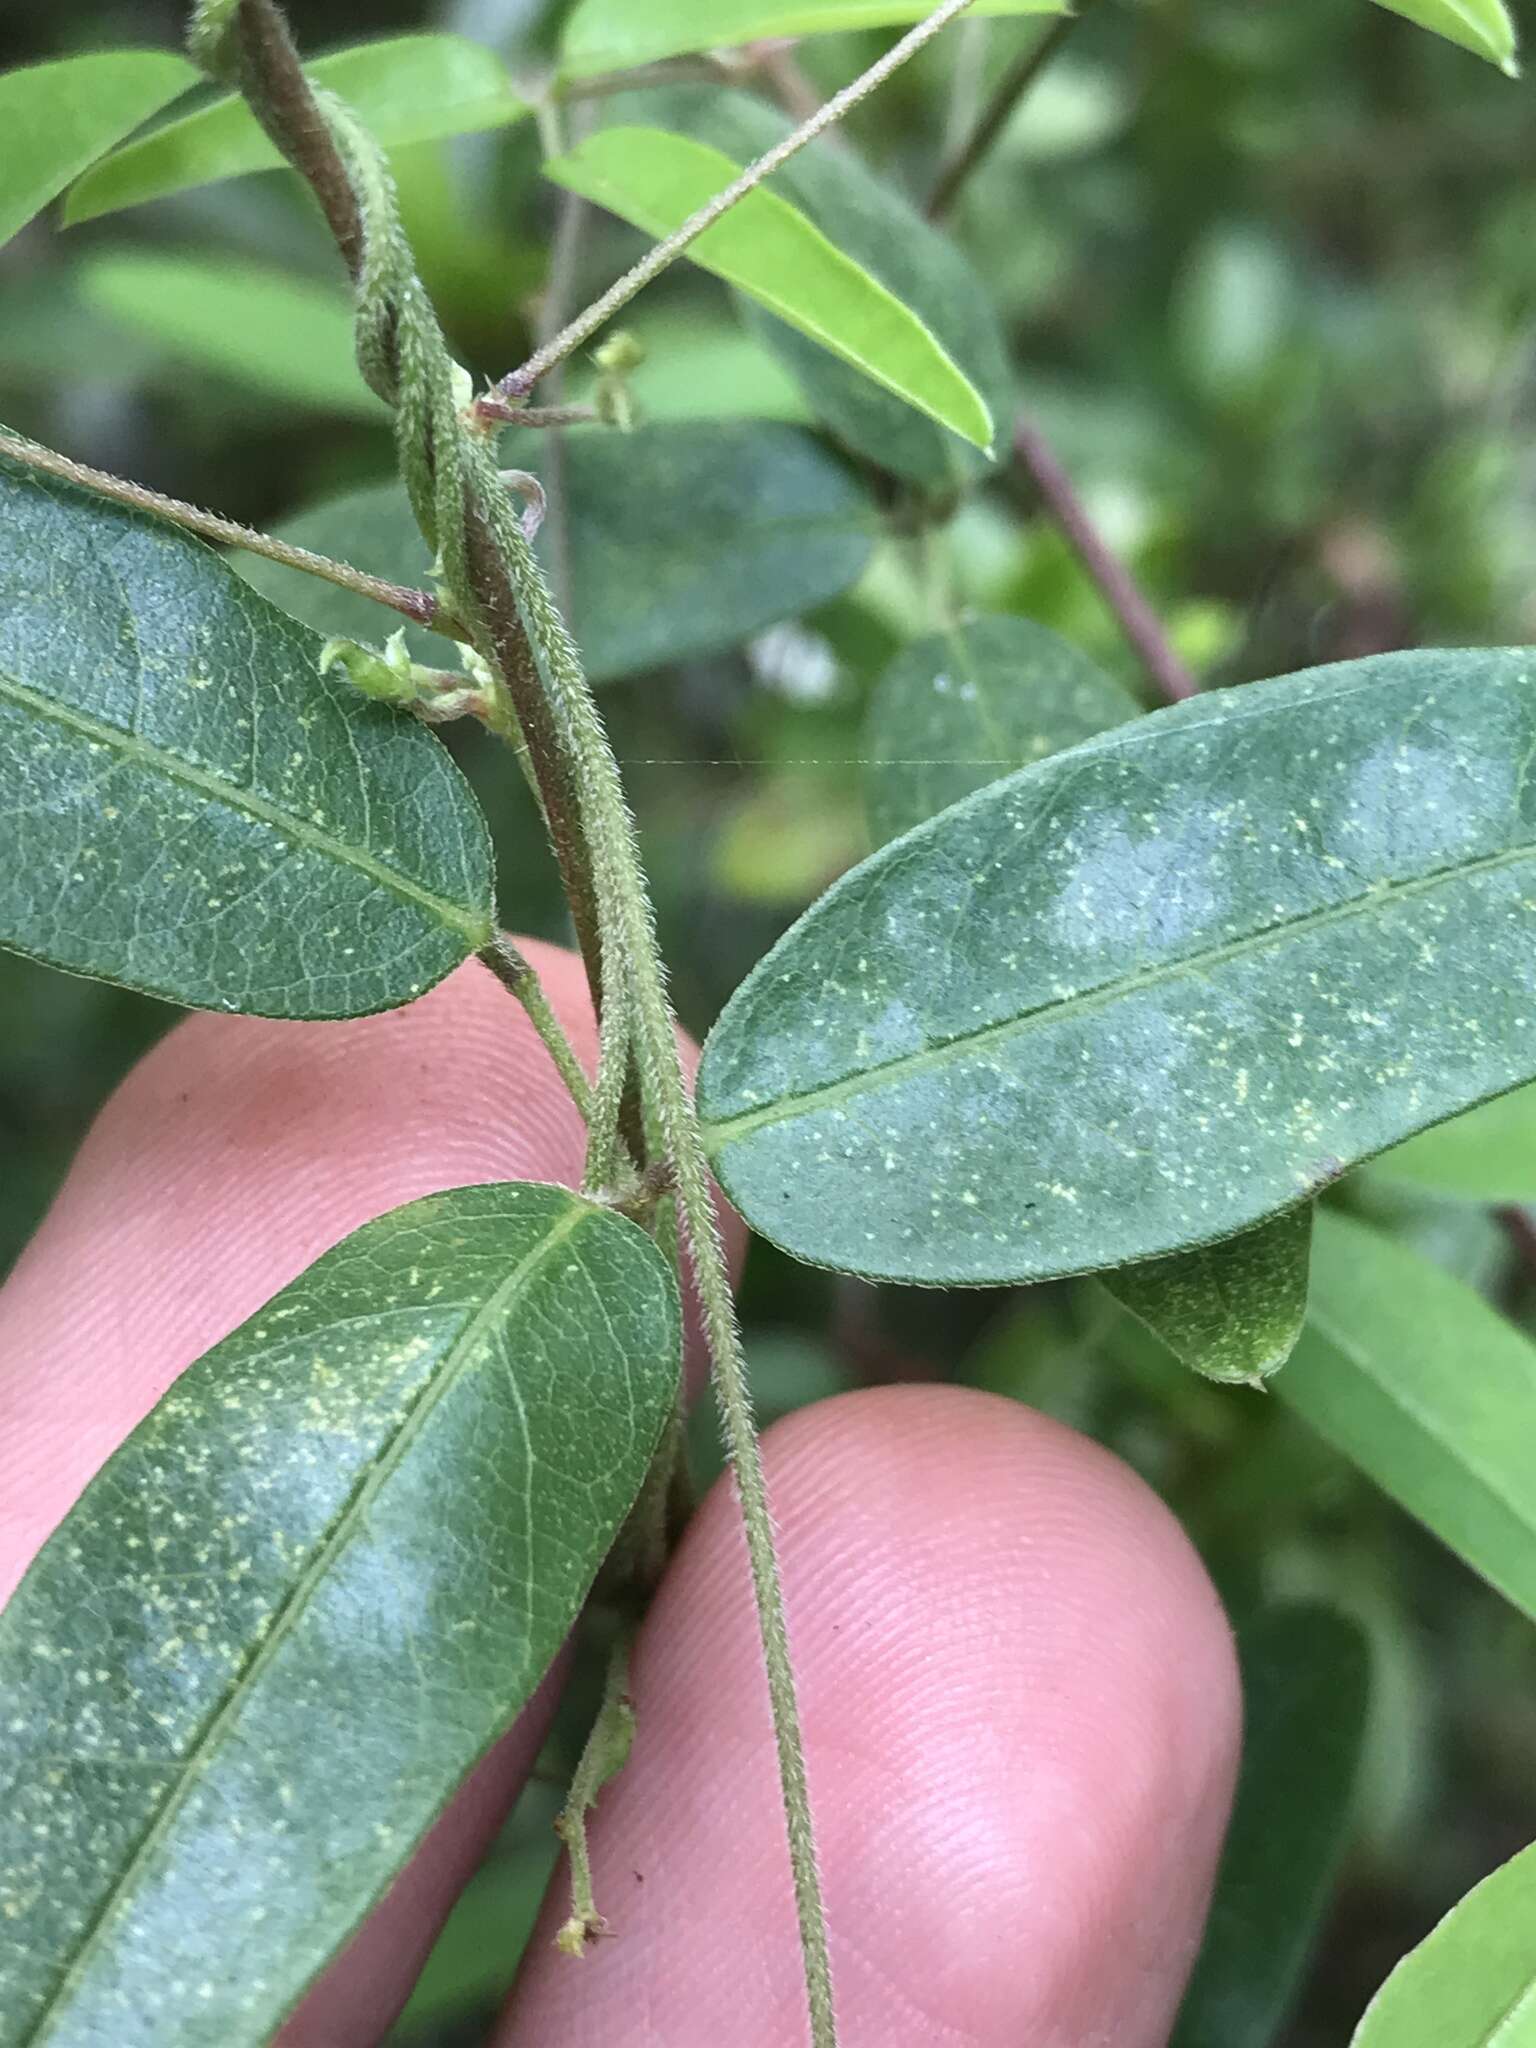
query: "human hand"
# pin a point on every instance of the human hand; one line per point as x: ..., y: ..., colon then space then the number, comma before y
x: 1019, y: 1696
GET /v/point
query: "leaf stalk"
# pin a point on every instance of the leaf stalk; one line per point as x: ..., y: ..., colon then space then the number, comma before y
x: 420, y: 606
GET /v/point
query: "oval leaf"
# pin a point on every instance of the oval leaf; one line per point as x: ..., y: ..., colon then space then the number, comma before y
x: 262, y: 327
x: 771, y: 251
x: 1158, y: 988
x: 1483, y: 26
x: 1306, y: 1672
x: 878, y: 231
x: 1429, y: 1391
x: 684, y: 538
x: 965, y: 708
x: 1472, y: 1983
x: 1488, y: 1155
x: 57, y: 118
x: 191, y: 808
x: 1232, y: 1311
x: 615, y: 35
x: 407, y: 89
x: 376, y: 1509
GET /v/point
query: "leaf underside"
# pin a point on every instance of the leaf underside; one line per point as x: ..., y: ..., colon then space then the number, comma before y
x: 1482, y: 26
x: 56, y: 118
x: 876, y: 228
x: 1158, y: 988
x: 1232, y: 1311
x: 191, y: 808
x: 1430, y: 1392
x: 1472, y: 1982
x: 291, y: 1612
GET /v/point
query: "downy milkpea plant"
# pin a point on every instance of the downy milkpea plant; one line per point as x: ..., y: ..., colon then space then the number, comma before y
x: 1120, y: 992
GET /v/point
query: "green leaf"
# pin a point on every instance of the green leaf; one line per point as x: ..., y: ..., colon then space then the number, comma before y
x: 1429, y: 1391
x: 771, y: 251
x: 1482, y: 26
x: 1472, y: 1982
x: 287, y: 1617
x: 57, y: 118
x: 964, y: 708
x: 1232, y: 1311
x: 407, y: 89
x: 1146, y: 994
x: 684, y: 538
x: 262, y: 327
x: 614, y: 35
x: 191, y: 808
x: 1488, y: 1155
x: 1305, y: 1691
x: 875, y: 229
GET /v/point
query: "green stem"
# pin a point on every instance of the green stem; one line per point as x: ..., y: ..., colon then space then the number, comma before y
x: 417, y: 605
x: 492, y: 575
x: 516, y: 972
x: 622, y: 887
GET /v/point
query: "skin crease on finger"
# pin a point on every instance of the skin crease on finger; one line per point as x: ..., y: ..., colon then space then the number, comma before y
x: 1019, y: 1691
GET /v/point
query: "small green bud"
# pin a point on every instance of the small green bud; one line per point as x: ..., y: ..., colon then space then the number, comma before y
x: 386, y: 677
x: 621, y: 353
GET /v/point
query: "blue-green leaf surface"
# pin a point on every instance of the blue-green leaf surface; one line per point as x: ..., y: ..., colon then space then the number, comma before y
x: 1232, y: 1311
x: 406, y: 89
x: 287, y: 1617
x: 1306, y: 1676
x: 1154, y: 990
x: 190, y: 807
x: 57, y: 118
x: 963, y: 708
x: 684, y: 537
x: 1432, y: 1393
x: 1472, y: 1982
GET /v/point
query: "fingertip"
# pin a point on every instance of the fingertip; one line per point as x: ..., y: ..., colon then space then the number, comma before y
x: 1020, y: 1711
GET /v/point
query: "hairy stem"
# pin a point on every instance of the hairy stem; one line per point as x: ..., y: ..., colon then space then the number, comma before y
x: 1115, y: 583
x: 667, y: 1098
x: 570, y: 338
x: 1012, y: 89
x: 418, y: 605
x: 516, y: 972
x: 492, y: 576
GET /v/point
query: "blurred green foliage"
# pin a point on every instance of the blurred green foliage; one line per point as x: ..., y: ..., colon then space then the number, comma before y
x: 1269, y: 278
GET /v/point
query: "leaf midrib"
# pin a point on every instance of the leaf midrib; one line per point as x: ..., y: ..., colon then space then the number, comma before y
x: 722, y: 1132
x: 133, y: 748
x: 353, y: 1512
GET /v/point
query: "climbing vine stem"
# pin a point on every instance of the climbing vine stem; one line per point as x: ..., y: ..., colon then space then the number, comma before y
x: 493, y: 580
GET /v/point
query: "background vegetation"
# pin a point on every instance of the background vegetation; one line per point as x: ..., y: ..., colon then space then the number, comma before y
x: 1270, y: 274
